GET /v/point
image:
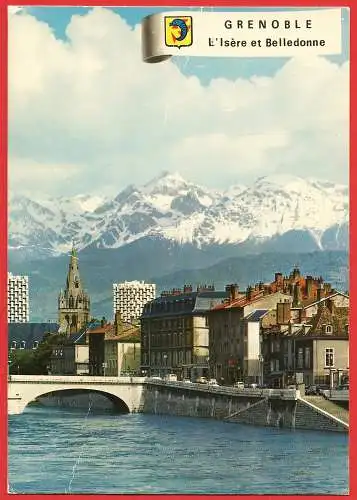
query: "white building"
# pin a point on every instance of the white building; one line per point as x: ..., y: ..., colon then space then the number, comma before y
x: 130, y: 297
x: 17, y: 299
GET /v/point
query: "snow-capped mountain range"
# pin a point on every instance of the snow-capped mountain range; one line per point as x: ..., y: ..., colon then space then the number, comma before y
x: 172, y: 208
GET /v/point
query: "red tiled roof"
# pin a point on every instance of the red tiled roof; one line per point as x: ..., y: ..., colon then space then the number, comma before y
x: 242, y: 301
x: 101, y: 329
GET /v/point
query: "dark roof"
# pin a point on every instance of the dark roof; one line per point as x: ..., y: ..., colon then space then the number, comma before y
x: 184, y: 304
x: 257, y: 315
x: 29, y: 332
x: 338, y: 318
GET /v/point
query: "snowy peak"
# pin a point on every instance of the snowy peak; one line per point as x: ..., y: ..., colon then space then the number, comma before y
x: 171, y: 207
x: 165, y: 182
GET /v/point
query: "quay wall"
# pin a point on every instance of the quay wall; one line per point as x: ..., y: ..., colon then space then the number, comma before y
x: 260, y: 411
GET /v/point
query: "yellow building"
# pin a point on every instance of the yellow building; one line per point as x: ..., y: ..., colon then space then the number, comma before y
x: 122, y: 348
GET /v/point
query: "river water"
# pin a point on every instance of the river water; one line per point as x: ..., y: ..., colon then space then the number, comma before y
x: 57, y: 450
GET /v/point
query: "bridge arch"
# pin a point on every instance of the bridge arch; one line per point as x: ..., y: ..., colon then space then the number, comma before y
x: 125, y: 394
x: 82, y: 398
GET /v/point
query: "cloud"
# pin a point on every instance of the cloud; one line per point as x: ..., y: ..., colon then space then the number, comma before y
x: 90, y: 103
x: 14, y: 9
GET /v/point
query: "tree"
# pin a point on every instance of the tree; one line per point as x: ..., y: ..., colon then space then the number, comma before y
x: 35, y: 361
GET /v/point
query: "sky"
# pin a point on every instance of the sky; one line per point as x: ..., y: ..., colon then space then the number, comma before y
x: 86, y: 115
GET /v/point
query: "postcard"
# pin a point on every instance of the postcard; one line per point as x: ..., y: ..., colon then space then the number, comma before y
x: 178, y: 250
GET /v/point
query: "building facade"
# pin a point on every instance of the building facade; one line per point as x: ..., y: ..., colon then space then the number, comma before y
x: 309, y: 344
x: 18, y: 308
x: 130, y: 297
x: 71, y: 357
x: 73, y: 302
x: 236, y: 325
x: 235, y: 335
x: 174, y: 332
x: 122, y: 349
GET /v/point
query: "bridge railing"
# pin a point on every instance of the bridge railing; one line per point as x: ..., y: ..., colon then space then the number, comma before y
x: 74, y: 379
x: 337, y: 394
x: 234, y: 391
x: 90, y: 380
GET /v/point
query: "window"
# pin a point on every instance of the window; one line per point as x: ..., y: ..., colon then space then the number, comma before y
x: 271, y: 365
x: 23, y: 344
x: 300, y: 358
x: 286, y: 345
x: 329, y: 357
x: 13, y: 344
x: 307, y: 357
x: 286, y: 361
x: 328, y: 329
x: 35, y: 344
x: 277, y: 365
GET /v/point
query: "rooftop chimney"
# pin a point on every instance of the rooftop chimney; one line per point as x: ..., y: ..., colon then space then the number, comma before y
x: 283, y: 312
x: 297, y: 295
x: 309, y: 286
x: 320, y: 291
x: 278, y: 278
x: 233, y: 291
x: 118, y: 323
x: 249, y: 293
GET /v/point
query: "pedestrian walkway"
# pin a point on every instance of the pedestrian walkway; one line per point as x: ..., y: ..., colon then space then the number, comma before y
x: 332, y: 408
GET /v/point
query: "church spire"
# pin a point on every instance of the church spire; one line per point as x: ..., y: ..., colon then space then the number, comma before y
x: 74, y: 250
x: 73, y: 278
x: 73, y: 302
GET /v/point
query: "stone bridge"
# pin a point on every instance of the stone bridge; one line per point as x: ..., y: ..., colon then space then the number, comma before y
x: 268, y: 407
x: 126, y: 392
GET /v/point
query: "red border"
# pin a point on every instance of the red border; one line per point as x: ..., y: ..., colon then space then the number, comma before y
x: 3, y: 215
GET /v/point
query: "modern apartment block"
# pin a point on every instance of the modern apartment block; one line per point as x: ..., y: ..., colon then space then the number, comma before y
x: 17, y: 299
x: 130, y: 297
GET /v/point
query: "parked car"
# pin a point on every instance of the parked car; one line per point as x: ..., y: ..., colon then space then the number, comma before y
x: 311, y: 390
x: 321, y: 388
x: 212, y: 381
x: 155, y: 377
x: 239, y: 385
x: 201, y: 380
x: 253, y: 386
x: 344, y: 387
x: 187, y: 381
x: 170, y: 377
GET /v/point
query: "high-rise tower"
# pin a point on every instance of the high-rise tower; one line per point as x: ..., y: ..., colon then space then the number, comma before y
x: 73, y: 302
x: 17, y: 299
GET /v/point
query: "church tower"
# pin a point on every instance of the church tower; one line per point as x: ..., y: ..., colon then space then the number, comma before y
x: 73, y: 302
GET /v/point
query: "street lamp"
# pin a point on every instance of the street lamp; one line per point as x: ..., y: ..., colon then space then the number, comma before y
x: 261, y: 369
x: 332, y: 382
x: 165, y: 363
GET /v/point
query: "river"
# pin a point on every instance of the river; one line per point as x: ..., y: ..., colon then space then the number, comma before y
x: 57, y: 450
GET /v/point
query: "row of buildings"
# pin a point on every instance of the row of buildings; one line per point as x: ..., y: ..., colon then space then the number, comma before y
x: 293, y: 329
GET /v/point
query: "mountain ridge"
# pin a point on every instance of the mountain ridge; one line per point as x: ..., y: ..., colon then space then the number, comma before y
x: 177, y: 210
